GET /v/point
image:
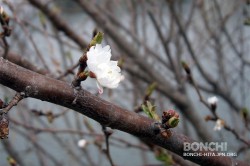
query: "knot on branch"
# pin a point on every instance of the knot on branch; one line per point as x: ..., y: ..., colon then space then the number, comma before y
x: 28, y: 91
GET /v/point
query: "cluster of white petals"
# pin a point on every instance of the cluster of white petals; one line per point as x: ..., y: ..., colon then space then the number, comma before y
x: 218, y: 125
x: 212, y: 100
x: 82, y: 143
x: 107, y: 72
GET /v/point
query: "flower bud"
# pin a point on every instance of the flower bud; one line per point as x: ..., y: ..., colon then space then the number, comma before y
x: 82, y: 143
x: 169, y: 114
x: 219, y: 125
x: 173, y: 122
x: 170, y: 119
x: 97, y: 39
x: 4, y: 15
x: 12, y: 161
x: 186, y: 67
x: 4, y: 126
x: 83, y: 75
x: 207, y: 118
x: 212, y: 101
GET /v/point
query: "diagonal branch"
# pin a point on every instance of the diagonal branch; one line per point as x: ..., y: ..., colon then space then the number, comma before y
x: 47, y: 89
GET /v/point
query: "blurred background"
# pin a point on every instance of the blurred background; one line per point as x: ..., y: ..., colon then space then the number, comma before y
x: 151, y: 39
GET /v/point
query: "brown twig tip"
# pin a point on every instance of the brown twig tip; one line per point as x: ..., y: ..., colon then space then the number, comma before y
x: 4, y: 121
x: 92, y: 75
x: 95, y: 31
x: 4, y: 20
x: 12, y: 161
x: 208, y: 118
x: 18, y: 97
x: 1, y: 104
x: 83, y: 59
x: 83, y: 75
x: 186, y: 67
x: 4, y: 126
x: 4, y: 16
x: 121, y: 62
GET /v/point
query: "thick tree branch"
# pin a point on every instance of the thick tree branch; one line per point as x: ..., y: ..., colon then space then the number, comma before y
x: 47, y: 89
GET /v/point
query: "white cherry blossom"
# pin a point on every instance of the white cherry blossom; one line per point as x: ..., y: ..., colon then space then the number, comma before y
x: 212, y: 100
x: 82, y: 143
x: 107, y: 72
x: 218, y: 125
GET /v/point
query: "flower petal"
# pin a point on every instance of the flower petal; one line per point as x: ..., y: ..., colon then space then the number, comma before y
x: 100, y: 88
x: 107, y: 72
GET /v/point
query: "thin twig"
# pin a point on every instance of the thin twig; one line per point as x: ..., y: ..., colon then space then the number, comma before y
x: 68, y: 71
x: 29, y: 36
x: 107, y: 133
x: 18, y: 97
x: 213, y: 111
x: 6, y: 47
